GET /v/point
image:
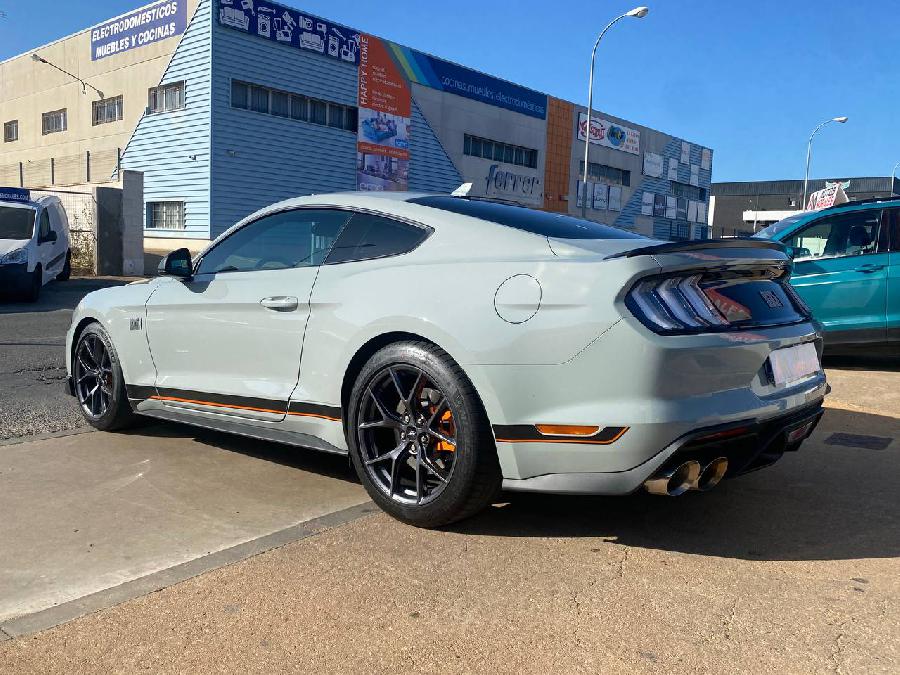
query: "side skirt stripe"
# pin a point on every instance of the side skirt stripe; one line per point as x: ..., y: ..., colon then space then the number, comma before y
x: 273, y: 406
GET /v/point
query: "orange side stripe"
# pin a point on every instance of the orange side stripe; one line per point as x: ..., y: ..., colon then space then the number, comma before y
x: 242, y: 407
x: 216, y: 405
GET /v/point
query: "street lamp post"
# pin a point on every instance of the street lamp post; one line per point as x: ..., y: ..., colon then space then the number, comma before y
x: 638, y: 13
x: 893, y: 172
x: 809, y: 153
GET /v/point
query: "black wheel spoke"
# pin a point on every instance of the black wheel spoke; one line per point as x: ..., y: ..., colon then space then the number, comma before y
x: 386, y: 416
x: 393, y: 454
x: 432, y: 468
x: 441, y: 437
x: 437, y: 411
x: 420, y: 488
x: 396, y: 464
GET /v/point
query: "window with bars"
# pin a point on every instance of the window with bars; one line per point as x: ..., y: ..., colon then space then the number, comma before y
x: 165, y: 215
x: 609, y: 174
x: 475, y: 146
x: 53, y: 122
x: 166, y: 97
x: 11, y: 131
x: 106, y: 110
x: 247, y: 96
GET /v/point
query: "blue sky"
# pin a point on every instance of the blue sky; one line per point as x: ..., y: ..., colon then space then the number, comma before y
x: 749, y: 79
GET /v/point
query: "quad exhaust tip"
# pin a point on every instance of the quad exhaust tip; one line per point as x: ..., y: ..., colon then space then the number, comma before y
x: 675, y: 481
x: 688, y: 476
x: 711, y: 475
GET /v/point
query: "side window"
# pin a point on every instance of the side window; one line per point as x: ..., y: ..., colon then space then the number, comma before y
x: 44, y: 231
x: 838, y: 236
x: 284, y: 240
x: 367, y: 236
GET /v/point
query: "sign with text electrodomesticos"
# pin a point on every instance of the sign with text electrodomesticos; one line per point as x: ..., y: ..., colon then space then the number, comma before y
x: 140, y: 28
x: 610, y: 134
x: 385, y: 109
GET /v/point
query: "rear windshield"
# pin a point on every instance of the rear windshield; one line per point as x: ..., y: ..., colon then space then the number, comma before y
x: 539, y: 222
x: 16, y: 223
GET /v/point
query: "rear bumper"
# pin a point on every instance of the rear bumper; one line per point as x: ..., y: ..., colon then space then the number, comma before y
x: 748, y: 445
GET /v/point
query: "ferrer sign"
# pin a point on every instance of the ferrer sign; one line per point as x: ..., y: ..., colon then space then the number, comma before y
x: 140, y: 28
x: 615, y: 136
x: 514, y: 186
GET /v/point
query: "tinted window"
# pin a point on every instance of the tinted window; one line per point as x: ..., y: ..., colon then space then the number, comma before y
x: 521, y: 218
x: 892, y: 220
x: 16, y: 223
x: 367, y: 236
x: 854, y: 233
x: 298, y: 238
x: 44, y: 231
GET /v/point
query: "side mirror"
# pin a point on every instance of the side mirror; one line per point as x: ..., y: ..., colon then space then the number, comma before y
x: 177, y: 264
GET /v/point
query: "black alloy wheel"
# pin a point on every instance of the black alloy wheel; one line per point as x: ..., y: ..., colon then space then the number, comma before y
x: 407, y: 435
x: 419, y: 437
x: 93, y: 376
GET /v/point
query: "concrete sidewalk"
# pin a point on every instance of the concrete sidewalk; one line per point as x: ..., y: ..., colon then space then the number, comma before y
x: 91, y: 511
x: 792, y: 569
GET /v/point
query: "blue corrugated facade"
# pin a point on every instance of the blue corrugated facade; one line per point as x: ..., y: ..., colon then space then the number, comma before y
x: 173, y: 148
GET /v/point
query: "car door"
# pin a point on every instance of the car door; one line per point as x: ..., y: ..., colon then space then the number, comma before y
x: 841, y: 270
x: 229, y: 339
x: 60, y: 244
x: 47, y: 244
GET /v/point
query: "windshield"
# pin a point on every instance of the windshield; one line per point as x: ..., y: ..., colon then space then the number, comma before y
x: 773, y: 230
x: 555, y: 225
x: 16, y: 222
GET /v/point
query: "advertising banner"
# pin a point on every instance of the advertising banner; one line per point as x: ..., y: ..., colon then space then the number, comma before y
x: 385, y: 109
x: 140, y: 28
x: 615, y: 197
x: 289, y: 27
x: 653, y: 164
x: 455, y: 79
x: 615, y: 136
x: 601, y: 197
x: 831, y: 194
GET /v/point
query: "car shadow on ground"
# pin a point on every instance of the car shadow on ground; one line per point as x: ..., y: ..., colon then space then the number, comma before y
x: 863, y: 362
x: 825, y: 502
x: 302, y: 459
x: 58, y: 295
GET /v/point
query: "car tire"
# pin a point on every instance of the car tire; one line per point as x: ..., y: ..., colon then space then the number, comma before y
x: 66, y: 271
x: 455, y: 484
x: 107, y: 408
x: 33, y: 290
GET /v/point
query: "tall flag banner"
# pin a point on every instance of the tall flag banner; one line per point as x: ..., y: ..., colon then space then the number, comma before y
x: 385, y: 109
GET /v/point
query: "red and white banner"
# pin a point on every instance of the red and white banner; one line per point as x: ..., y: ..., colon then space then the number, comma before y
x: 615, y: 136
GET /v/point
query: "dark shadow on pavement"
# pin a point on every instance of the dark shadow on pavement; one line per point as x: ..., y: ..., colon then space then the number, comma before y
x: 864, y: 362
x: 825, y: 502
x: 302, y: 459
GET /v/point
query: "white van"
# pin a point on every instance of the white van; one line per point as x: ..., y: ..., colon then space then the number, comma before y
x: 34, y: 243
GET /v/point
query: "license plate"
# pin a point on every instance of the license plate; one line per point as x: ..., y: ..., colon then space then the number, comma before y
x: 793, y: 364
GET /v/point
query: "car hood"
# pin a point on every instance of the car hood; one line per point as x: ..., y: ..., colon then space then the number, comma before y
x: 8, y: 245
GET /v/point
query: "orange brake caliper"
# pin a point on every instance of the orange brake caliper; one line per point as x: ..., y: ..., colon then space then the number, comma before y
x: 447, y: 428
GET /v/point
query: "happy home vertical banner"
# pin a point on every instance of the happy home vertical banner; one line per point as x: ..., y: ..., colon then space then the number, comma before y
x: 385, y: 109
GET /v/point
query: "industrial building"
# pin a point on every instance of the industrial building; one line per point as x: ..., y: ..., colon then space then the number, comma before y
x: 229, y: 105
x: 742, y: 208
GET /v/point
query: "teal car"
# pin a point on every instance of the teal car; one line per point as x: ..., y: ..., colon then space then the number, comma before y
x: 847, y: 269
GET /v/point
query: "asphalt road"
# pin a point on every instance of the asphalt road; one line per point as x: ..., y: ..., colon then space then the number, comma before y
x: 32, y: 366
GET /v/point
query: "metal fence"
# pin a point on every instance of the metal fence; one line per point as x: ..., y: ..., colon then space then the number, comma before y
x: 88, y: 167
x: 81, y: 211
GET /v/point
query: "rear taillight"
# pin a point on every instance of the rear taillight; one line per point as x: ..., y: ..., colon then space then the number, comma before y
x: 702, y: 303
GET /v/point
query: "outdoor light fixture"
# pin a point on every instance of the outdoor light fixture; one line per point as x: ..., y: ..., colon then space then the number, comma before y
x: 841, y: 119
x: 638, y: 13
x: 84, y: 85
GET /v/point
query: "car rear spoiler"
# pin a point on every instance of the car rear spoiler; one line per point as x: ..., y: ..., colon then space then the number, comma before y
x: 701, y: 245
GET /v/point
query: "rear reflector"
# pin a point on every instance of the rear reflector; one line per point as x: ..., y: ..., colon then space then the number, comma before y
x: 566, y: 430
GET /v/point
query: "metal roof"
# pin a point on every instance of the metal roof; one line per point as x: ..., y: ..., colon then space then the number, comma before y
x: 794, y: 187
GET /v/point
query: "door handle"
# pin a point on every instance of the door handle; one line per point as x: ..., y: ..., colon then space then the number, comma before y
x: 280, y: 303
x: 871, y: 267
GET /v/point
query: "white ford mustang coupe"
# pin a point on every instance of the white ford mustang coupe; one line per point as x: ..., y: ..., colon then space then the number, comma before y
x: 453, y: 346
